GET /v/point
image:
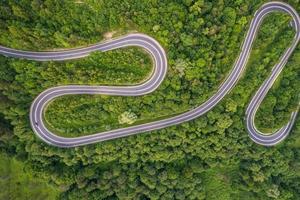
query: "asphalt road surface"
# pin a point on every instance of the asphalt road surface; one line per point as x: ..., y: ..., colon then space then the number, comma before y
x: 159, y: 71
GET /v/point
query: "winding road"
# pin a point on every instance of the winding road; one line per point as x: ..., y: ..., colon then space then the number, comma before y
x: 159, y: 71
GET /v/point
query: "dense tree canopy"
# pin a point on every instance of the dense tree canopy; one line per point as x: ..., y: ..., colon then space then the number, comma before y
x: 211, y: 157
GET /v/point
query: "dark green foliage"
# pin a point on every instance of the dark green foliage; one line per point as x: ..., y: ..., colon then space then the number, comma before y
x: 208, y: 158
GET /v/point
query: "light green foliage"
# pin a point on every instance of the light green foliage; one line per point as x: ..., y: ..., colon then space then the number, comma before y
x: 17, y: 183
x: 210, y: 157
x: 273, y: 192
x: 127, y: 117
x: 229, y: 16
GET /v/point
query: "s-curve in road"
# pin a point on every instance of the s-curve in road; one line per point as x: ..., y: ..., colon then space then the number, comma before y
x: 270, y: 139
x: 159, y: 72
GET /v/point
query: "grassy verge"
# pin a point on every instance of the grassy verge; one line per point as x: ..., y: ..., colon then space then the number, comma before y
x: 16, y: 183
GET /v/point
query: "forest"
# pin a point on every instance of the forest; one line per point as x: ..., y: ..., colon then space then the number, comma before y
x: 211, y: 157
